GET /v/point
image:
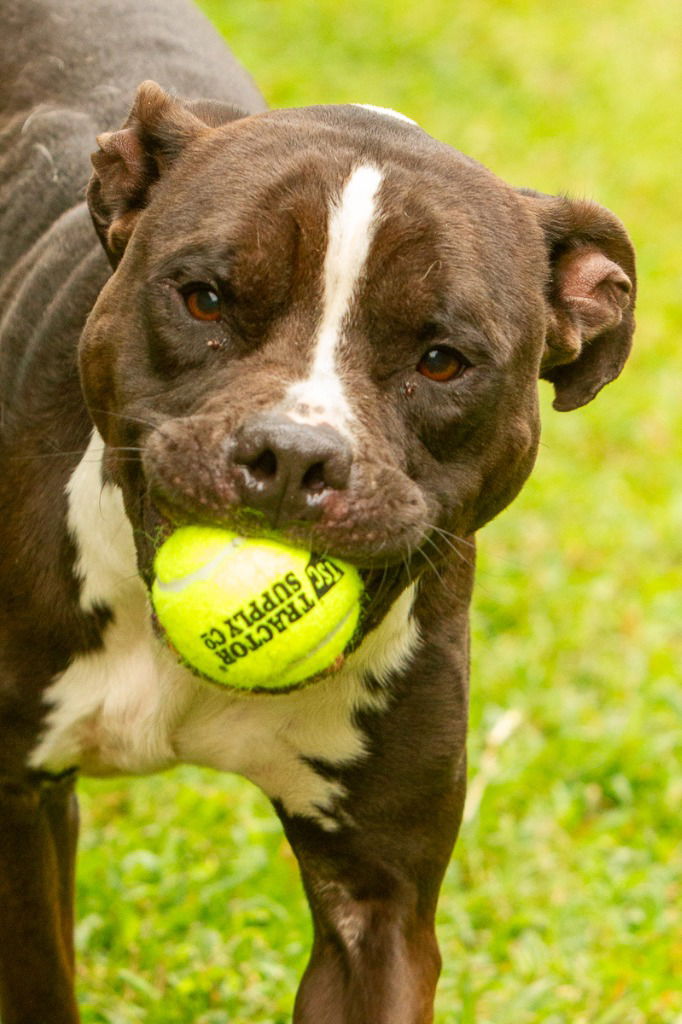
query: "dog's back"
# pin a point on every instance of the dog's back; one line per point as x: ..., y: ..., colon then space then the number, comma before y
x: 92, y: 56
x: 69, y: 72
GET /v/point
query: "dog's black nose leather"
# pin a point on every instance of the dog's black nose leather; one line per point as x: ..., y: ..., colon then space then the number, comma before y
x: 287, y: 467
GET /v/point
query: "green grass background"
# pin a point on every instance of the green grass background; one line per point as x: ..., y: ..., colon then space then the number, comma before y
x: 563, y: 901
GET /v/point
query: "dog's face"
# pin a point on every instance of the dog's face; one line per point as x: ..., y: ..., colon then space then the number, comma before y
x: 325, y: 323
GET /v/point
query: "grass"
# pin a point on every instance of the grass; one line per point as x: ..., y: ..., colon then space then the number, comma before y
x: 563, y: 901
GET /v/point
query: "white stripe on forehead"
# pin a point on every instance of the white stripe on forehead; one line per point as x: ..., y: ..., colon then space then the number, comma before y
x: 320, y: 398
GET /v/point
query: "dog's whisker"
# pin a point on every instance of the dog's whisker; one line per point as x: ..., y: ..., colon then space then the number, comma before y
x: 47, y: 455
x: 433, y: 565
x: 130, y: 417
x: 67, y: 454
x: 120, y: 415
x: 450, y: 540
x: 429, y: 540
x: 407, y: 562
x: 376, y: 597
x: 452, y: 536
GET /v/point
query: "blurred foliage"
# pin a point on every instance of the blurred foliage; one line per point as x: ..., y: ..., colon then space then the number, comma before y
x: 563, y: 901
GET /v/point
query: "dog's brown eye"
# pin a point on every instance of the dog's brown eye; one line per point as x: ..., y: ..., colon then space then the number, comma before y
x: 441, y: 364
x: 203, y: 303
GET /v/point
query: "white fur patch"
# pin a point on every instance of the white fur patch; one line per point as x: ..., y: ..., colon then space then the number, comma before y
x: 131, y: 708
x: 105, y: 546
x: 386, y: 112
x: 321, y: 398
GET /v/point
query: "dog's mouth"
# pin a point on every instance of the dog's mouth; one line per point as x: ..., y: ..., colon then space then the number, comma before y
x: 371, y: 547
x: 220, y: 630
x: 374, y: 523
x: 382, y: 584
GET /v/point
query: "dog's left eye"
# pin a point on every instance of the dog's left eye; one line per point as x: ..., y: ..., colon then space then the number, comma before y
x: 203, y: 303
x: 441, y: 364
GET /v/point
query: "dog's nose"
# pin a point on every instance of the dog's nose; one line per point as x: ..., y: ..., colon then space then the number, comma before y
x: 287, y: 467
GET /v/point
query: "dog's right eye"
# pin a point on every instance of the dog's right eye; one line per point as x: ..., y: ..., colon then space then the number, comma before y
x: 442, y: 363
x: 203, y: 303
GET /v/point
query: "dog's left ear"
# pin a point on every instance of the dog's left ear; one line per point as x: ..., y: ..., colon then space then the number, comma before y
x: 591, y: 297
x: 130, y: 161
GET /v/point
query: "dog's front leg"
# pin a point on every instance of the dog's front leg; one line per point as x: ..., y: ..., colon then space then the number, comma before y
x: 61, y: 807
x: 37, y: 845
x: 372, y: 877
x: 375, y: 958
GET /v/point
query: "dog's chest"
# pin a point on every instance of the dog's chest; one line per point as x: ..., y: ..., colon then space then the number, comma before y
x: 130, y: 708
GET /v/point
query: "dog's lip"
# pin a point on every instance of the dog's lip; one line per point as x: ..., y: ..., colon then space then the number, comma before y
x: 251, y: 524
x: 167, y: 527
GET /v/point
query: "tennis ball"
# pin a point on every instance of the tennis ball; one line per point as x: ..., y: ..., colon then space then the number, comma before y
x: 250, y: 613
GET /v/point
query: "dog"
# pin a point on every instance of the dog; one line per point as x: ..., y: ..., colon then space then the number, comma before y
x: 321, y: 322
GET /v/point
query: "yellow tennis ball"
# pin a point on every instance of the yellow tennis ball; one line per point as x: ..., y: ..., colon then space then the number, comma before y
x: 253, y: 613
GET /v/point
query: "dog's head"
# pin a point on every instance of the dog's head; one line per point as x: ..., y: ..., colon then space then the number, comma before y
x: 326, y: 323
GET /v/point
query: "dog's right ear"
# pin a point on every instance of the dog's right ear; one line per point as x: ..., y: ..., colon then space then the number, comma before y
x: 130, y: 161
x: 590, y: 296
